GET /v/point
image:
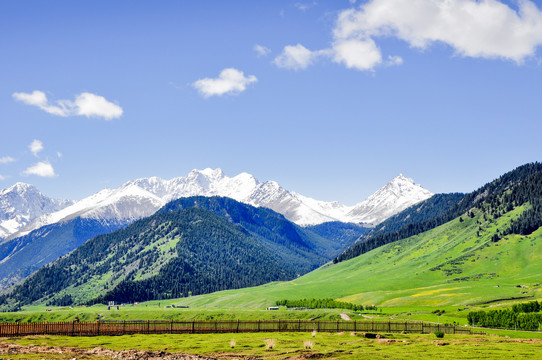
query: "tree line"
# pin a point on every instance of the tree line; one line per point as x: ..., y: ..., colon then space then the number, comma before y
x: 524, y: 316
x: 323, y: 304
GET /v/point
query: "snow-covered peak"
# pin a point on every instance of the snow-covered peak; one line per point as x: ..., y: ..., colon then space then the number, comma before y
x: 19, y: 188
x: 22, y: 203
x: 216, y: 174
x: 142, y: 197
x: 398, y: 194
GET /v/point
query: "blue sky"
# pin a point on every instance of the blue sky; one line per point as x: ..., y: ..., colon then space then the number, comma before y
x: 341, y: 97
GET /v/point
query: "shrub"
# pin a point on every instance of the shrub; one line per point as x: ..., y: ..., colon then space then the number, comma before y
x: 439, y: 334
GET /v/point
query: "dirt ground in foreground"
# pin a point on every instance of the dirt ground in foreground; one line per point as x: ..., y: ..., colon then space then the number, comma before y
x: 94, y: 353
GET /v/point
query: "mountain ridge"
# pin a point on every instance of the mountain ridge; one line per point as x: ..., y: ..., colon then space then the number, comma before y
x: 138, y: 198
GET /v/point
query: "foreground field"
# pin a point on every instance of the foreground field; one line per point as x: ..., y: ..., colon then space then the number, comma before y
x: 284, y: 346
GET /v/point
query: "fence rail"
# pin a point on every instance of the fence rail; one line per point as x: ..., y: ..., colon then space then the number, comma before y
x: 223, y: 326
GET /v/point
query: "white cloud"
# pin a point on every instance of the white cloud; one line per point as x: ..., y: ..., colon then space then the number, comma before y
x: 39, y: 99
x: 394, y: 61
x: 357, y: 54
x: 229, y: 81
x: 296, y: 57
x: 36, y: 146
x: 85, y: 104
x: 92, y: 105
x: 304, y: 6
x: 352, y: 2
x: 261, y: 50
x: 485, y: 29
x: 2, y: 177
x: 473, y: 28
x: 6, y: 159
x: 59, y: 154
x: 43, y: 169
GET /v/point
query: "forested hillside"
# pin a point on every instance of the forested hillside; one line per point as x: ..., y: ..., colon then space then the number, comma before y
x: 182, y: 250
x: 344, y: 234
x: 22, y: 256
x: 520, y: 181
x: 428, y: 209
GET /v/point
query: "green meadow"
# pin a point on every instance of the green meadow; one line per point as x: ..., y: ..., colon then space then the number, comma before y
x: 301, y: 346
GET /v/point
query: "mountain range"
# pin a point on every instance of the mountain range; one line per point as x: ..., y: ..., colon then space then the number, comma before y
x: 196, y: 245
x: 41, y: 237
x: 483, y: 248
x: 142, y: 197
x: 192, y: 245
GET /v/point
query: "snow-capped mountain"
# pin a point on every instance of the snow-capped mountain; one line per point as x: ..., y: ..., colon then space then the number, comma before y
x: 142, y: 197
x: 400, y: 193
x: 22, y: 203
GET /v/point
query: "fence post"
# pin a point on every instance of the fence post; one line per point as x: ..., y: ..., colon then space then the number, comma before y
x: 318, y: 325
x: 73, y: 328
x: 237, y: 325
x: 299, y: 325
x: 98, y: 327
x: 337, y: 325
x: 171, y: 327
x: 193, y: 330
x: 18, y: 324
x: 279, y: 326
x: 389, y: 325
x: 422, y: 326
x: 258, y: 325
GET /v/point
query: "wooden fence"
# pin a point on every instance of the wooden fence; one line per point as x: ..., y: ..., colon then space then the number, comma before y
x: 223, y: 326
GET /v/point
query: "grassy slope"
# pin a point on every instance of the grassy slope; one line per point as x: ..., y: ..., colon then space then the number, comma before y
x: 446, y: 266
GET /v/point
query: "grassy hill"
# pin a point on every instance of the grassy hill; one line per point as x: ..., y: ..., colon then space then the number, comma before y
x: 457, y: 263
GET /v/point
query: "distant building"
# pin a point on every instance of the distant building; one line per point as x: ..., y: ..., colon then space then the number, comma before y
x: 273, y: 308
